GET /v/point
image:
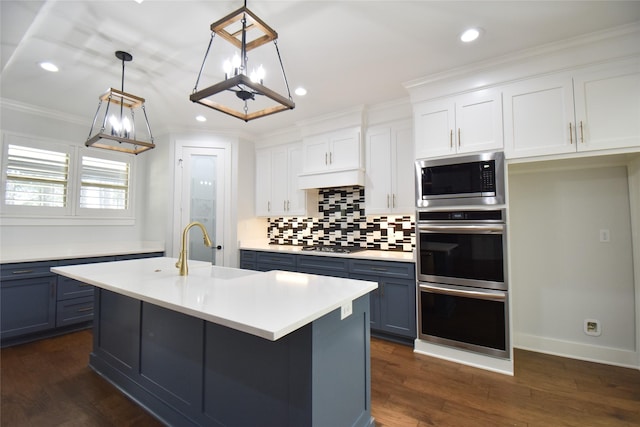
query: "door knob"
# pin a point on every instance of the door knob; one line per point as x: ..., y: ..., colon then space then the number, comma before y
x: 218, y: 247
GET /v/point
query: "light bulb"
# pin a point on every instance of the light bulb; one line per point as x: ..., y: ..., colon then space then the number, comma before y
x: 260, y: 73
x: 226, y: 66
x: 115, y: 125
x: 235, y: 63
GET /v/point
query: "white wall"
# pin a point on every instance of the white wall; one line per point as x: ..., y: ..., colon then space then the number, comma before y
x: 561, y: 272
x: 30, y: 121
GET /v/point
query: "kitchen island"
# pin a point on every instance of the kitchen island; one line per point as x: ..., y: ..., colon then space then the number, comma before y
x: 230, y: 347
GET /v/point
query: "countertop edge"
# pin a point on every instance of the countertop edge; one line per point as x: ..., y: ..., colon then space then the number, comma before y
x: 35, y: 253
x: 376, y: 255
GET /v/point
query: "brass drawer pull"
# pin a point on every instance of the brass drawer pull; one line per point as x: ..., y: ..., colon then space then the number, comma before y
x: 22, y: 272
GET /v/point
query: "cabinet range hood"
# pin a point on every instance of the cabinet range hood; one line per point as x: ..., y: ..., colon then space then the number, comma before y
x: 343, y: 178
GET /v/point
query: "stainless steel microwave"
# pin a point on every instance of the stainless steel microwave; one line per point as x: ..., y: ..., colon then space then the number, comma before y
x: 475, y: 179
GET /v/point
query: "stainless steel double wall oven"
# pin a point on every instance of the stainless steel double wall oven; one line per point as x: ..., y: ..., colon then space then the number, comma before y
x: 461, y: 253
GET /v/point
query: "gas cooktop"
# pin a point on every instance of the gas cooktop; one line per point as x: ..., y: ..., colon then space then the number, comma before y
x: 333, y: 249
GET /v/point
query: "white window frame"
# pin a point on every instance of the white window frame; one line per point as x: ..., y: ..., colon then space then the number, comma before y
x: 71, y: 214
x: 106, y: 155
x: 36, y: 210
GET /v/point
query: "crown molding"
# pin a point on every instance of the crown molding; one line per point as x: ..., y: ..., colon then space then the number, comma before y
x: 22, y: 107
x: 525, y: 55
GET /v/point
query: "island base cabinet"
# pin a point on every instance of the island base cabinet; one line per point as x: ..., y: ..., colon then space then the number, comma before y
x: 187, y: 371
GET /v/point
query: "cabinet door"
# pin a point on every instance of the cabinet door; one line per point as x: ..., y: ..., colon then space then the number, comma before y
x: 478, y: 121
x: 315, y: 154
x: 279, y: 181
x: 297, y: 199
x: 378, y: 195
x: 398, y: 306
x: 434, y: 125
x: 374, y: 301
x: 263, y: 182
x: 345, y: 150
x: 28, y: 305
x: 607, y: 104
x: 539, y: 117
x: 403, y: 200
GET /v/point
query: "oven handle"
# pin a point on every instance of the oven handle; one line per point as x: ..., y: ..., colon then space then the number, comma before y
x: 476, y: 229
x: 493, y: 295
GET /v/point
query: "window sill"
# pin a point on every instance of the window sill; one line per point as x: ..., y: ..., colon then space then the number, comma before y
x: 14, y: 220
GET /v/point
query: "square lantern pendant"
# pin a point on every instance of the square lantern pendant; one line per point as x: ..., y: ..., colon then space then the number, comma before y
x: 240, y: 95
x: 118, y: 130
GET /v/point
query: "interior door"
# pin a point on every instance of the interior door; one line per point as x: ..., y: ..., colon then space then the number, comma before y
x: 201, y: 184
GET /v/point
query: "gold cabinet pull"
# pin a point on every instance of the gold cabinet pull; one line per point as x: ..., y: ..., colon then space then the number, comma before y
x: 458, y: 137
x: 326, y: 158
x: 581, y: 133
x: 394, y: 201
x: 570, y: 134
x: 388, y: 201
x: 451, y: 139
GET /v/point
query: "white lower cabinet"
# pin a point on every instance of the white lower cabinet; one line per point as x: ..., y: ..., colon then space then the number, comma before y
x: 389, y: 187
x: 593, y: 109
x: 277, y: 170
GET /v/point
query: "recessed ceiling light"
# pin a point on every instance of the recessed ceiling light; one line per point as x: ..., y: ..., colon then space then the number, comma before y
x: 201, y: 118
x: 470, y: 35
x: 49, y: 66
x: 301, y: 91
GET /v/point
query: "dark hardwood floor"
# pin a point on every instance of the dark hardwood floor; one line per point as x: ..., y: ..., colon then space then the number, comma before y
x: 48, y: 383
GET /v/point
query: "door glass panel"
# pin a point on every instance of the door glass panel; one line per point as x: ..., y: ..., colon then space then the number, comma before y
x: 202, y: 205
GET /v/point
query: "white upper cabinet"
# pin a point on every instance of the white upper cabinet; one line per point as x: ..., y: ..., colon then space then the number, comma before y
x: 608, y: 107
x: 333, y: 151
x: 465, y: 123
x: 277, y: 192
x: 539, y: 117
x: 594, y: 109
x: 332, y: 159
x: 389, y: 187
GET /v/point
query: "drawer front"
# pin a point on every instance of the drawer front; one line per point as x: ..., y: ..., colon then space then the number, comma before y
x: 275, y: 261
x: 26, y: 270
x: 74, y: 311
x: 404, y: 270
x: 329, y: 266
x: 70, y: 288
x: 248, y: 260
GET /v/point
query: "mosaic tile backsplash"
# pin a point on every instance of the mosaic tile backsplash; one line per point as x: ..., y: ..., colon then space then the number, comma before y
x: 343, y: 222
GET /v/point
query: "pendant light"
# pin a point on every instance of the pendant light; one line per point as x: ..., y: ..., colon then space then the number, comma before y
x: 118, y: 129
x: 252, y: 98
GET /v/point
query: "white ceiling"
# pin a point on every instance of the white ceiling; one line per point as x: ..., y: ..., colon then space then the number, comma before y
x: 346, y: 53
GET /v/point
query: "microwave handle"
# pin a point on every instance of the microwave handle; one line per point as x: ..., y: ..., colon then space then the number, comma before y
x: 493, y: 296
x: 476, y: 229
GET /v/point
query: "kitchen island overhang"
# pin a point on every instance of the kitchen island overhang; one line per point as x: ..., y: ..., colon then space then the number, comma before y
x: 230, y: 347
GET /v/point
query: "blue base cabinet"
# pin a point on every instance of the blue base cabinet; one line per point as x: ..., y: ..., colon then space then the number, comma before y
x: 190, y: 372
x: 35, y: 303
x: 393, y: 304
x: 27, y: 299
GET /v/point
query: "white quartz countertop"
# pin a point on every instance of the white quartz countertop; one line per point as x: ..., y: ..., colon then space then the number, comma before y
x: 266, y: 304
x: 366, y: 254
x: 64, y: 250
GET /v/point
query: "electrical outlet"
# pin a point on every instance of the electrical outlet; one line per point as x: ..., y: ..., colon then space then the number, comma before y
x: 592, y: 327
x: 346, y: 310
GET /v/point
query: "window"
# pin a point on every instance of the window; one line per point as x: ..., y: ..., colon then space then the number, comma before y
x: 104, y: 184
x: 36, y: 177
x: 63, y: 182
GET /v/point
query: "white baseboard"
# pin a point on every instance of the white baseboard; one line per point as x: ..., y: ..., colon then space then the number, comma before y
x: 494, y: 364
x: 574, y: 350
